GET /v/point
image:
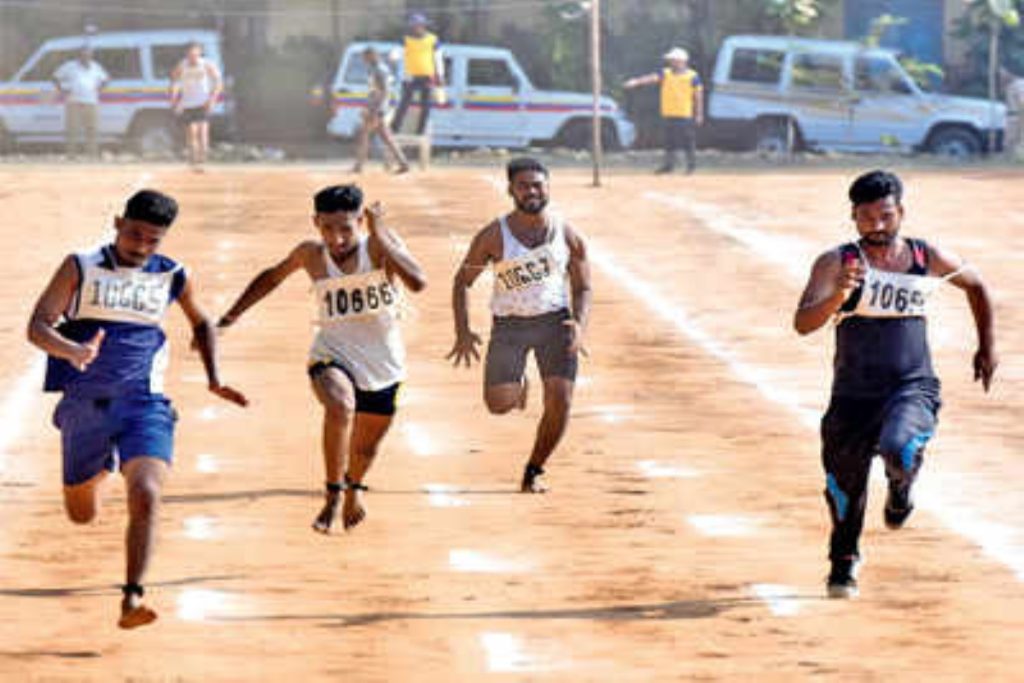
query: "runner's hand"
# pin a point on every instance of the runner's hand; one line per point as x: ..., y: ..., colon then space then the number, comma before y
x: 374, y: 214
x: 851, y: 276
x: 464, y: 350
x: 576, y: 344
x: 86, y: 352
x: 229, y: 394
x: 985, y: 363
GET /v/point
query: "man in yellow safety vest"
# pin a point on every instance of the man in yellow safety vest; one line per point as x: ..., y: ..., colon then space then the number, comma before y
x: 424, y: 71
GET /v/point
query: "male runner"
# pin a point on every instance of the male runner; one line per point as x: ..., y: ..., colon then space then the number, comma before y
x: 535, y: 255
x: 196, y: 84
x: 885, y: 395
x: 357, y: 362
x: 99, y: 321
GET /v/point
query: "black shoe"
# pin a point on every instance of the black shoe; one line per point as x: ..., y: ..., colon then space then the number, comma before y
x: 842, y: 580
x: 898, y: 505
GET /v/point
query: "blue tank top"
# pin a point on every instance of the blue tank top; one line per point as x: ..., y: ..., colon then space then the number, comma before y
x: 129, y: 304
x: 875, y: 356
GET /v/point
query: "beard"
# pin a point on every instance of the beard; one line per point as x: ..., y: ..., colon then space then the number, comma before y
x: 532, y: 206
x: 879, y: 239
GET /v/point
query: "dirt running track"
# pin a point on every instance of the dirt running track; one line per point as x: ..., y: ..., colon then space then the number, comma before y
x: 685, y: 534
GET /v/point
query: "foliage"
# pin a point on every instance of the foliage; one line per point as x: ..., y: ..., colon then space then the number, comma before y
x: 974, y: 29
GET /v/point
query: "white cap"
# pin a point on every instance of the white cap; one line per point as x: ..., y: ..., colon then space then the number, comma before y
x: 677, y: 53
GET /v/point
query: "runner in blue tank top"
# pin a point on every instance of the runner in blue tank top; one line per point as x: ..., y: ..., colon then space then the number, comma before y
x: 885, y: 395
x: 99, y: 322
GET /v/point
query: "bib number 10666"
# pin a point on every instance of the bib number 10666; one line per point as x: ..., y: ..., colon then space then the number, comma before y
x: 889, y: 297
x: 343, y: 302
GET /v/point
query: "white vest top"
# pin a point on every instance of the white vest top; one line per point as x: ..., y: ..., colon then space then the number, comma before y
x: 196, y: 84
x: 887, y: 294
x: 531, y: 282
x: 358, y: 319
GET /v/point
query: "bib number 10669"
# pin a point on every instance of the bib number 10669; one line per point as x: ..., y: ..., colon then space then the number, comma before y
x: 343, y: 302
x: 889, y: 297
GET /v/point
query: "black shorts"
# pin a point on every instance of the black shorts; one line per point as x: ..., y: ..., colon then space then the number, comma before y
x: 381, y: 402
x: 194, y: 115
x: 513, y: 338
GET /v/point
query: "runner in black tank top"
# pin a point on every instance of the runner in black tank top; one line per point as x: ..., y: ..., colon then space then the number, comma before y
x: 885, y: 395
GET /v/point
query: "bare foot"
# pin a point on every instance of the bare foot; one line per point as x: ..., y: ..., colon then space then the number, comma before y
x: 533, y: 481
x: 328, y: 515
x: 353, y: 512
x: 134, y: 613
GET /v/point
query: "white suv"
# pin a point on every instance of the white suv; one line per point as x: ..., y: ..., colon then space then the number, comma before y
x: 490, y: 102
x: 781, y: 92
x: 135, y: 105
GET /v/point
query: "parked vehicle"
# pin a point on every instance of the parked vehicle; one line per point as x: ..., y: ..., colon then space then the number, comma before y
x: 134, y: 107
x: 782, y: 93
x: 489, y: 102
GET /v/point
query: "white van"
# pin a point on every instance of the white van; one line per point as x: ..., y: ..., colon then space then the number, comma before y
x: 490, y: 102
x: 782, y: 92
x: 135, y: 105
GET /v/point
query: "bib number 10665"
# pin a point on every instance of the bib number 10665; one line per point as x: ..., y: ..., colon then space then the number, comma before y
x: 889, y: 297
x: 343, y: 302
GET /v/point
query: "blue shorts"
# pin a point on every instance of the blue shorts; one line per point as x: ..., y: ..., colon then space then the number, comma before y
x: 98, y: 434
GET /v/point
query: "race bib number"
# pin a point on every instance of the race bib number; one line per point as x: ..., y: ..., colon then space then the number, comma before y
x: 529, y: 270
x: 895, y: 295
x: 121, y: 296
x: 355, y: 296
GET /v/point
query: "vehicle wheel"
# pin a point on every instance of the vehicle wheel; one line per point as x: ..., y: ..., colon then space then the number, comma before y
x: 775, y: 139
x: 575, y: 135
x: 955, y: 143
x: 154, y: 138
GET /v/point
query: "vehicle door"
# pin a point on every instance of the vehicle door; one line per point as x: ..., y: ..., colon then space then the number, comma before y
x: 492, y: 99
x: 33, y: 109
x: 820, y: 97
x: 888, y: 111
x: 126, y: 90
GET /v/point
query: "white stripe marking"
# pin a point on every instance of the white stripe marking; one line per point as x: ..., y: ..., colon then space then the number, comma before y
x: 200, y: 604
x: 723, y: 525
x: 207, y: 464
x: 209, y: 413
x: 505, y: 653
x: 441, y: 496
x: 199, y: 528
x: 781, y: 600
x: 482, y: 563
x: 419, y: 440
x: 21, y: 401
x: 655, y: 470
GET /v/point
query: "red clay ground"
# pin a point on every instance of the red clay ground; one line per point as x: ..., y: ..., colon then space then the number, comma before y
x: 685, y: 534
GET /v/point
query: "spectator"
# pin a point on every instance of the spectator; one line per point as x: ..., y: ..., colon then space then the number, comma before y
x: 682, y: 107
x: 424, y: 70
x: 79, y: 82
x: 378, y: 102
x: 1013, y: 91
x: 195, y: 86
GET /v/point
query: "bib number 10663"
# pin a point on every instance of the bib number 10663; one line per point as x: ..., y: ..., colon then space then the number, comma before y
x: 342, y: 302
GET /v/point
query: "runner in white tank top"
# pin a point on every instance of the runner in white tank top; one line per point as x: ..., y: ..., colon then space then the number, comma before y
x: 538, y: 259
x: 357, y: 360
x: 195, y: 86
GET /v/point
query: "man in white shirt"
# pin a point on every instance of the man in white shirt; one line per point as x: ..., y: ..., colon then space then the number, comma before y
x: 196, y: 85
x: 1013, y: 90
x: 79, y: 82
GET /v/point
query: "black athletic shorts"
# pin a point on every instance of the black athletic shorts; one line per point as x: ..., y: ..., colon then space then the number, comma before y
x: 194, y: 115
x: 512, y: 338
x: 381, y: 402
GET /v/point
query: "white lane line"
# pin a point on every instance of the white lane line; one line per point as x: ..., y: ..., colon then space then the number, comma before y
x: 782, y: 601
x: 199, y: 527
x: 732, y: 526
x: 209, y: 413
x: 443, y: 496
x: 195, y: 604
x: 506, y: 654
x: 656, y: 470
x: 476, y: 562
x: 207, y: 464
x: 21, y: 401
x: 419, y: 440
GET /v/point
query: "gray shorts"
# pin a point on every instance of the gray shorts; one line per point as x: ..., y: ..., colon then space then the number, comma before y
x: 512, y: 338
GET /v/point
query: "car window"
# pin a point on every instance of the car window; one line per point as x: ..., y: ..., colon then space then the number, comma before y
x: 876, y: 74
x: 491, y: 73
x: 355, y: 70
x: 756, y: 66
x: 817, y: 71
x: 122, y: 63
x: 165, y: 58
x: 48, y: 64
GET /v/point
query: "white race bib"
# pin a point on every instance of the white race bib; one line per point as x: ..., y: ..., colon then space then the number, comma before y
x: 895, y: 295
x: 362, y: 295
x: 535, y: 268
x: 124, y: 295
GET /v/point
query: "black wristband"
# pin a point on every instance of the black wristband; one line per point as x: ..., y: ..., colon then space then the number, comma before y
x: 133, y: 589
